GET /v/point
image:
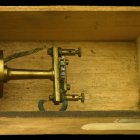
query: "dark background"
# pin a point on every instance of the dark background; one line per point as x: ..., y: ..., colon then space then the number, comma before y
x: 70, y: 2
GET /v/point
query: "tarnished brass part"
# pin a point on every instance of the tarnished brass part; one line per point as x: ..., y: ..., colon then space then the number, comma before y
x: 69, y: 52
x: 82, y: 97
x: 75, y: 97
x: 18, y: 74
x: 58, y: 74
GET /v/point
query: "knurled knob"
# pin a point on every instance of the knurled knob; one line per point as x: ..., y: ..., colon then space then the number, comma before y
x: 82, y: 97
x: 79, y: 53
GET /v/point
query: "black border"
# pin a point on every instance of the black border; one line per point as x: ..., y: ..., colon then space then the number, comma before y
x: 69, y: 2
x: 63, y: 114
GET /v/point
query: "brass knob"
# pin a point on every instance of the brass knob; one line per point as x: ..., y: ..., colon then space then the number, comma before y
x: 78, y: 52
x: 82, y: 97
x: 70, y: 52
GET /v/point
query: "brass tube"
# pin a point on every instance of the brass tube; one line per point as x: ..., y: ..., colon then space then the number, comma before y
x: 19, y: 74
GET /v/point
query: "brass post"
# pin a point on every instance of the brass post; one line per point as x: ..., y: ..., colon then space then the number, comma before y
x: 19, y: 74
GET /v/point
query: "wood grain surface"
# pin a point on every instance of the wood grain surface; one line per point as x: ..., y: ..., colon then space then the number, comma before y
x: 107, y: 72
x: 62, y: 125
x: 69, y: 23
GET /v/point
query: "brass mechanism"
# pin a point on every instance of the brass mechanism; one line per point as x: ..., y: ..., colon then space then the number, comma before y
x: 57, y: 74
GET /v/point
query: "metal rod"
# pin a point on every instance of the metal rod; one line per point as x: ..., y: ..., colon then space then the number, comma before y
x: 19, y: 74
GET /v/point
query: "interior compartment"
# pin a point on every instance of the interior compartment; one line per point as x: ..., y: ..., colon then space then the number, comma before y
x: 108, y: 70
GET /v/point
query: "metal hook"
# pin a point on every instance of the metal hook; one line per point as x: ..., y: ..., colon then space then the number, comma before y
x: 42, y: 109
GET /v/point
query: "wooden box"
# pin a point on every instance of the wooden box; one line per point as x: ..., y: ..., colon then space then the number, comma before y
x: 108, y: 71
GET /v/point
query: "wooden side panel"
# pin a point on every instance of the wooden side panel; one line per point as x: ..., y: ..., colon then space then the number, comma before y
x: 68, y: 125
x: 27, y: 25
x: 107, y: 72
x: 69, y: 8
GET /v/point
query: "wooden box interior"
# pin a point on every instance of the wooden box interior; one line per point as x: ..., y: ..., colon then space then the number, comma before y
x: 108, y: 70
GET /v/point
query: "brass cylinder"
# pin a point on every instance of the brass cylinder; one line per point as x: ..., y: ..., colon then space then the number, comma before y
x: 19, y: 74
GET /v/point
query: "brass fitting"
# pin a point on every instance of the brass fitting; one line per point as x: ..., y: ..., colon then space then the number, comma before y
x: 58, y: 74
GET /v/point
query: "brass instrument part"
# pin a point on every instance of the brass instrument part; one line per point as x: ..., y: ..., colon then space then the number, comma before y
x: 58, y: 74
